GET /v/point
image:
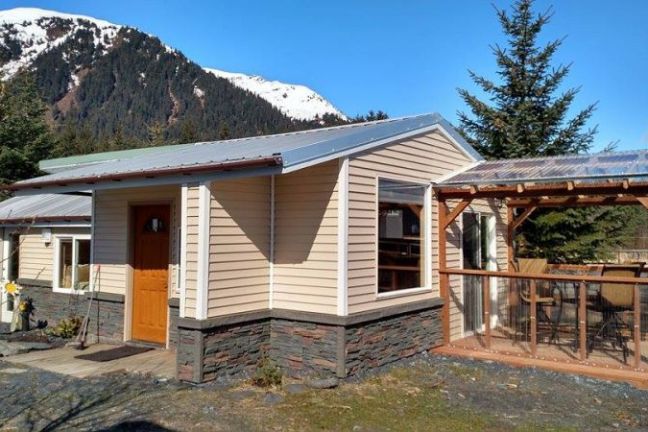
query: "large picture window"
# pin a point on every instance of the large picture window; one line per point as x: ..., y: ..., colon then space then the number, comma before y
x: 72, y: 264
x: 401, y: 235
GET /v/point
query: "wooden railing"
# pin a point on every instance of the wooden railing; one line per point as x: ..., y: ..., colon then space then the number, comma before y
x: 582, y: 281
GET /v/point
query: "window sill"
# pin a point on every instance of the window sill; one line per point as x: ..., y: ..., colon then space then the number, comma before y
x: 403, y: 293
x: 68, y: 291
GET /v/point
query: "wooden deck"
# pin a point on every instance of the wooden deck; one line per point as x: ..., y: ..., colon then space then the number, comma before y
x: 602, y: 362
x: 159, y: 363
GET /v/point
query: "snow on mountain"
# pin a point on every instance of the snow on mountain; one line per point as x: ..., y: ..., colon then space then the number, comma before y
x: 26, y: 33
x: 296, y: 101
x: 29, y: 32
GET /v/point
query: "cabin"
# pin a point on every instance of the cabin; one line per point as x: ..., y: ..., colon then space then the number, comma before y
x: 339, y: 250
x: 45, y: 247
x: 315, y: 248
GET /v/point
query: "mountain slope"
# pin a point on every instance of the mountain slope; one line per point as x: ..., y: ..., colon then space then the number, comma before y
x: 112, y: 80
x: 296, y: 101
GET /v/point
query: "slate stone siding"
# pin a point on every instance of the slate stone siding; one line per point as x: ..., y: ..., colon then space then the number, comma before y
x: 234, y: 350
x: 106, y: 314
x: 334, y: 346
x: 375, y: 344
x: 228, y: 351
x: 174, y: 313
x: 304, y: 348
x: 189, y: 354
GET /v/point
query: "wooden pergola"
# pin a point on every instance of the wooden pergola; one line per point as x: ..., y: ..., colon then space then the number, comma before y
x: 522, y: 198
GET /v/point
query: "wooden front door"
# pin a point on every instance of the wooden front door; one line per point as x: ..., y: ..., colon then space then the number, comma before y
x: 150, y: 272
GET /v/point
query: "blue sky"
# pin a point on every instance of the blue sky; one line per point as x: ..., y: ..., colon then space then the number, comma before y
x: 402, y: 57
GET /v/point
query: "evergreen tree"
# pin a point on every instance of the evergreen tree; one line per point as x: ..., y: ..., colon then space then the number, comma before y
x: 370, y: 116
x: 156, y: 135
x: 528, y: 115
x: 223, y: 131
x: 188, y: 132
x: 25, y: 137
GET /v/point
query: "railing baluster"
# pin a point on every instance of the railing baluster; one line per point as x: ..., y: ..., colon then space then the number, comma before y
x: 582, y: 320
x: 487, y: 306
x: 532, y: 318
x: 637, y: 327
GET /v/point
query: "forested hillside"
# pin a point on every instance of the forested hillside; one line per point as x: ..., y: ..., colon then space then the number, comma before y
x: 110, y: 87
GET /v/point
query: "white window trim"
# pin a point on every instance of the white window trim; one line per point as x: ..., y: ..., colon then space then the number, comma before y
x: 57, y: 258
x: 427, y: 212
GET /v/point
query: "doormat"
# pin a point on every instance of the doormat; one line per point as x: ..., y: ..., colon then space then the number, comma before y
x: 114, y: 353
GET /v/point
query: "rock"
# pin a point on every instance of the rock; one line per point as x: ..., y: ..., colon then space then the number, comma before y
x: 13, y: 370
x: 13, y: 348
x: 272, y: 399
x: 323, y: 383
x: 239, y: 395
x: 295, y: 388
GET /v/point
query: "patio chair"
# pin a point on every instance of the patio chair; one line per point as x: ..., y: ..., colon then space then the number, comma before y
x: 547, y: 296
x: 613, y: 301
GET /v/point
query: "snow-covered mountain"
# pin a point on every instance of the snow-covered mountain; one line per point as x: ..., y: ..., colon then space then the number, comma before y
x: 27, y: 34
x: 296, y: 101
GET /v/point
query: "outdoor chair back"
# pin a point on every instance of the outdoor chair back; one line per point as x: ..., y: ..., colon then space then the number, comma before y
x: 618, y: 295
x: 532, y: 265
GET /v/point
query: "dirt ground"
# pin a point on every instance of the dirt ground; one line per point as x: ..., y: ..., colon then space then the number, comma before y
x: 431, y: 393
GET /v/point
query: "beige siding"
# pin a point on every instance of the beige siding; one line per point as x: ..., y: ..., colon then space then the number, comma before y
x: 112, y: 248
x: 305, y: 268
x: 423, y: 158
x: 36, y: 258
x: 192, y: 252
x: 239, y: 253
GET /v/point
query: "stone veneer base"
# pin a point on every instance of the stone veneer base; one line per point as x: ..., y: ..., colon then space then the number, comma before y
x: 106, y: 313
x: 106, y: 323
x: 306, y: 344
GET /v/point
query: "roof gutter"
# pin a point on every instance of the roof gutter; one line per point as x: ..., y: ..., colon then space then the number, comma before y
x: 271, y: 161
x: 42, y: 219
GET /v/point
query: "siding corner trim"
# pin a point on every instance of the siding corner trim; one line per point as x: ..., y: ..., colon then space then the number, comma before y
x: 202, y: 283
x: 343, y: 239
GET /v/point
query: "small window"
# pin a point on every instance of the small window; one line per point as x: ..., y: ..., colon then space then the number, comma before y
x: 154, y: 225
x: 401, y: 236
x: 73, y: 264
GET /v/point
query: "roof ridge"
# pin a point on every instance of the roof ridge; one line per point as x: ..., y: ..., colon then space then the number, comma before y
x: 328, y: 128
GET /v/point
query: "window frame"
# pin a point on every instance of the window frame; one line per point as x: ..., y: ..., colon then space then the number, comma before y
x: 56, y: 270
x: 427, y: 227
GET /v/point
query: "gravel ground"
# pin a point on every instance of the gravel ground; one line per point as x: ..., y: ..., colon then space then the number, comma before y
x: 431, y: 392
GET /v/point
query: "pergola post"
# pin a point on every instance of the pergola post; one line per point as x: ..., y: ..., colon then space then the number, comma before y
x: 509, y: 237
x: 446, y: 217
x: 443, y: 277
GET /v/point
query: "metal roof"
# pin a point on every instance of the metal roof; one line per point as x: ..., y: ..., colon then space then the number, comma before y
x: 59, y: 164
x: 288, y: 151
x: 599, y: 166
x: 45, y: 207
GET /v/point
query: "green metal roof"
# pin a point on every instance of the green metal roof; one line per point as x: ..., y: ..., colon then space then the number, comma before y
x: 56, y: 165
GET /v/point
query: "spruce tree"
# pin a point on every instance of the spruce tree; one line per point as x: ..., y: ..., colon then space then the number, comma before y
x: 527, y: 113
x: 25, y: 136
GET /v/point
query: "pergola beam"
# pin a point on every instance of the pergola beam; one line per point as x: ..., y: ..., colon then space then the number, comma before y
x: 516, y: 222
x: 454, y: 214
x: 575, y: 201
x: 563, y: 189
x: 643, y: 201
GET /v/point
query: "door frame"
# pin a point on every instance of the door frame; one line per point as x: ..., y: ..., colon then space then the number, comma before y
x: 5, y: 315
x: 494, y: 289
x: 130, y: 267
